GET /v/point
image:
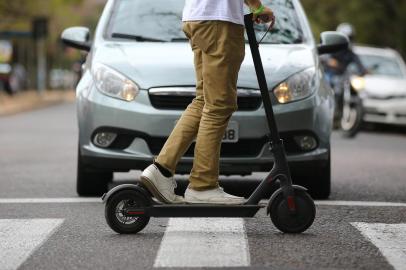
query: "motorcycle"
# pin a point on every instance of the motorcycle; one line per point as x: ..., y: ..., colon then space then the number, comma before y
x: 348, y: 113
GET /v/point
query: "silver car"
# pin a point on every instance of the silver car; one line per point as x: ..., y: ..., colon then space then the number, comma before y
x: 139, y: 77
x: 384, y: 88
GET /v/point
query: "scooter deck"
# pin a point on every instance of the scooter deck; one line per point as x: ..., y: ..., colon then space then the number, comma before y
x: 195, y: 210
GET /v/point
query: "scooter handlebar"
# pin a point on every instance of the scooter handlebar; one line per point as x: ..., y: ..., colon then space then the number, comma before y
x: 265, y: 18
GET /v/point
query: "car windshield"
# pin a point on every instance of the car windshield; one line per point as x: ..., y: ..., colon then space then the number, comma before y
x: 161, y: 20
x: 381, y: 65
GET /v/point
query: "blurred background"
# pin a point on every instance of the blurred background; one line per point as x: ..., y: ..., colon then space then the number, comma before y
x: 377, y: 22
x: 32, y: 56
x: 84, y: 146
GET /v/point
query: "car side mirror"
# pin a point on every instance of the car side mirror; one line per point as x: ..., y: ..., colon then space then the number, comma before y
x: 332, y: 41
x: 77, y: 37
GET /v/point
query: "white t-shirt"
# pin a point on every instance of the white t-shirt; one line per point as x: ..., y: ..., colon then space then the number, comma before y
x: 209, y: 10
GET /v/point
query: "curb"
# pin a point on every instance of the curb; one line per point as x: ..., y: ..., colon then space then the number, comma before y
x: 31, y: 100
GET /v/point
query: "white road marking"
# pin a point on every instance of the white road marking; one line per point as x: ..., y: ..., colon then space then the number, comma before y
x: 20, y: 237
x: 360, y: 203
x: 204, y: 242
x: 50, y: 200
x: 390, y: 239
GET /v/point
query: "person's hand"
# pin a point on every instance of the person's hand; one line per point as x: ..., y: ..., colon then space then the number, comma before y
x: 266, y: 16
x: 333, y: 63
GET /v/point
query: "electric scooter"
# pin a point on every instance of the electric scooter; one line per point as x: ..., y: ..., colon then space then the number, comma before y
x: 129, y: 206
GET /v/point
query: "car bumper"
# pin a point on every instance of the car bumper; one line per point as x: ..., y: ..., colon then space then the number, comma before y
x: 385, y: 111
x: 147, y: 125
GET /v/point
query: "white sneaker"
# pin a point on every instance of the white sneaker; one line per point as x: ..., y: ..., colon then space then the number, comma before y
x: 163, y: 188
x: 212, y: 196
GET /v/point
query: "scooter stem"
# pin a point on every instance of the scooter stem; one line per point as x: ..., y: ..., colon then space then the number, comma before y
x: 263, y: 86
x: 280, y: 170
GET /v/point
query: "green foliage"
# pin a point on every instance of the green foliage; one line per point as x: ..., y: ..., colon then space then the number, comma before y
x: 17, y: 15
x: 378, y: 22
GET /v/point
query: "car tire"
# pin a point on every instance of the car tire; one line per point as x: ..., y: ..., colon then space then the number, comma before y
x: 91, y: 182
x: 320, y: 187
x: 317, y: 179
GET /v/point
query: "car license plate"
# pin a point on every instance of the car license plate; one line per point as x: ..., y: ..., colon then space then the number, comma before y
x: 232, y: 132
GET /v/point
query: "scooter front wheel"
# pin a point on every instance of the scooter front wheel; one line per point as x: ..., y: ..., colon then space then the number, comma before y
x: 116, y: 212
x: 296, y: 221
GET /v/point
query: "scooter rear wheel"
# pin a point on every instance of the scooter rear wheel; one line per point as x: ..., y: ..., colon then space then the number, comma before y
x: 293, y: 222
x: 115, y: 212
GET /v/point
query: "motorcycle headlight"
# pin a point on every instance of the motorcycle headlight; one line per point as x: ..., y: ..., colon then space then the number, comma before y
x: 358, y: 83
x: 296, y: 87
x: 114, y: 84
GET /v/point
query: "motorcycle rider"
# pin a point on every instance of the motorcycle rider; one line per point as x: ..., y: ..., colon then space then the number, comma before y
x: 338, y: 63
x: 348, y: 112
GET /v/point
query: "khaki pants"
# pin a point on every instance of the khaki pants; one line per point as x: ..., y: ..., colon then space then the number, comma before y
x: 219, y: 50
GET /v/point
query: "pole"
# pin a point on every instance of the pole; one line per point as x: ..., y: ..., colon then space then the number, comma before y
x: 41, y: 65
x: 39, y: 34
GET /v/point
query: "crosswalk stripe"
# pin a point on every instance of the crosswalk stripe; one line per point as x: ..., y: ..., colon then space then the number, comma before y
x: 204, y: 242
x: 20, y: 237
x: 50, y: 200
x: 390, y: 239
x: 361, y: 203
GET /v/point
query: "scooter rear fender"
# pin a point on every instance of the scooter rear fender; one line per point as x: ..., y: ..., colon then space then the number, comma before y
x: 118, y: 188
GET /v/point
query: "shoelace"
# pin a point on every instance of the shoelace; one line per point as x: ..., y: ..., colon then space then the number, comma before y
x: 174, y: 184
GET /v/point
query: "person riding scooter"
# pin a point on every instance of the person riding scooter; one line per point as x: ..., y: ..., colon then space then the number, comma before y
x: 216, y: 33
x: 129, y: 207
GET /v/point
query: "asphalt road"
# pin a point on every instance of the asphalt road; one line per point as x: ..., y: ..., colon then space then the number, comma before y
x: 38, y: 159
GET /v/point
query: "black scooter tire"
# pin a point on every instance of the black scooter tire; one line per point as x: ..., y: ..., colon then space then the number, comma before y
x: 115, y: 223
x: 297, y: 222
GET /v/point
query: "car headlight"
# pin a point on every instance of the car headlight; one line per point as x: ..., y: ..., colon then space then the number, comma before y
x: 358, y: 83
x: 296, y: 87
x: 114, y: 84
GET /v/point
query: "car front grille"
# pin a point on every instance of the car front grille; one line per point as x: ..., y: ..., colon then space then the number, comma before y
x: 180, y: 98
x: 385, y: 97
x: 248, y: 148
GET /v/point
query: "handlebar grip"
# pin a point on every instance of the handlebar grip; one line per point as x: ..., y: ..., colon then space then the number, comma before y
x: 266, y: 18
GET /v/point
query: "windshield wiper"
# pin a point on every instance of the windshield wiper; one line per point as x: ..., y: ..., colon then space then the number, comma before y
x: 179, y: 39
x: 136, y: 37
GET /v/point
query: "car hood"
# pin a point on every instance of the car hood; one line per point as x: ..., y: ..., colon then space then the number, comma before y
x: 152, y: 64
x: 384, y: 86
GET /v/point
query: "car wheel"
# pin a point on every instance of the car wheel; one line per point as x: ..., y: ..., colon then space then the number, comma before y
x: 320, y: 187
x: 90, y: 182
x: 316, y: 178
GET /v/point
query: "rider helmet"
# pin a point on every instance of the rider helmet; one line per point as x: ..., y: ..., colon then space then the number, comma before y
x: 347, y: 29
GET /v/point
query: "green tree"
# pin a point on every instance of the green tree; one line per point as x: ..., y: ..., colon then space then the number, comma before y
x: 17, y: 15
x: 378, y: 22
